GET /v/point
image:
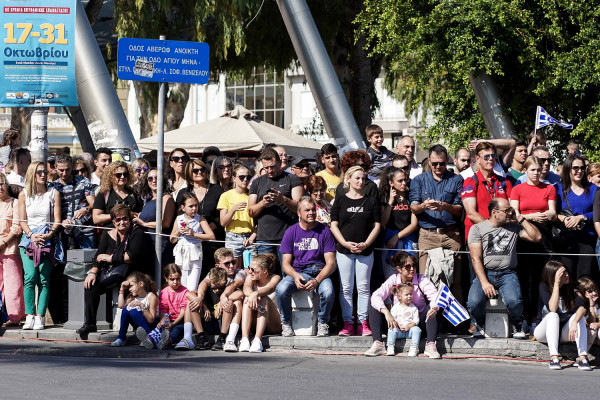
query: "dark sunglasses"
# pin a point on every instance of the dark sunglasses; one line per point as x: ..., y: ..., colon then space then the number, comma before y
x: 79, y: 171
x: 121, y: 219
x: 152, y: 178
x: 487, y: 157
x: 244, y: 177
x: 120, y: 175
x: 438, y: 164
x: 142, y: 169
x: 410, y: 266
x: 41, y: 172
x: 178, y: 159
x: 577, y: 168
x: 405, y: 168
x: 217, y: 288
x: 228, y: 263
x: 253, y: 270
x: 544, y: 160
x: 222, y: 167
x: 199, y: 170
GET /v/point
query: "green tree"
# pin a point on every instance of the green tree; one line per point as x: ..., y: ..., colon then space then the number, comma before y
x: 539, y: 52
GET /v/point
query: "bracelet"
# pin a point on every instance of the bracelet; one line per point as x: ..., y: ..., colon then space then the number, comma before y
x: 29, y: 234
x: 522, y: 220
x: 91, y: 272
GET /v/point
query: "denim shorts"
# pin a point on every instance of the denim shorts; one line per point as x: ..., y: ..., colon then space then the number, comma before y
x: 235, y: 242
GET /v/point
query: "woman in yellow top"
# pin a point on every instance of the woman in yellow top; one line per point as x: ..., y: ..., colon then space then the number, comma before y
x: 233, y: 204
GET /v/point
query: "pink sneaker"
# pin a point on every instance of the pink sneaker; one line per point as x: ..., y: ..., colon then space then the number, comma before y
x: 348, y: 329
x: 363, y: 329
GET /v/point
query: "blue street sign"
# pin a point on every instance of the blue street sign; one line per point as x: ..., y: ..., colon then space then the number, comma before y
x: 156, y: 60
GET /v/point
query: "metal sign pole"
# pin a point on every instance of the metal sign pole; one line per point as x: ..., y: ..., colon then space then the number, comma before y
x: 160, y: 166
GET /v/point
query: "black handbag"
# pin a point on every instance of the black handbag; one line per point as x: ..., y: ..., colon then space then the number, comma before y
x: 116, y: 272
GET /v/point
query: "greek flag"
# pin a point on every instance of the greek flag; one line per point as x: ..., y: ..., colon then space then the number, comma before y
x: 542, y: 119
x: 453, y: 310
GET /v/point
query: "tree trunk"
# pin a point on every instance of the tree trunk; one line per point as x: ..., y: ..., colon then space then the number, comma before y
x: 146, y: 94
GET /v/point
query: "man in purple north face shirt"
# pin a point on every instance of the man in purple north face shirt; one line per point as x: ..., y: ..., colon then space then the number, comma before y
x: 308, y: 249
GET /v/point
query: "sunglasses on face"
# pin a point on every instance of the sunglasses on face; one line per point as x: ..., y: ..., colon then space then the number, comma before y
x: 578, y: 168
x: 244, y: 177
x: 405, y: 168
x: 199, y: 170
x: 121, y: 175
x: 121, y: 219
x: 141, y: 169
x: 153, y: 178
x: 228, y: 263
x: 177, y: 159
x: 222, y: 167
x: 41, y: 172
x: 438, y: 164
x: 79, y: 171
x: 253, y: 270
x: 410, y: 266
x: 545, y: 160
x: 487, y: 157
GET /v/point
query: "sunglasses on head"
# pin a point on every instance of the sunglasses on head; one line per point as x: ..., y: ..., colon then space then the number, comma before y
x: 244, y: 177
x: 121, y: 175
x: 141, y: 169
x: 438, y: 164
x: 222, y: 167
x: 41, y: 172
x: 199, y: 170
x: 179, y: 159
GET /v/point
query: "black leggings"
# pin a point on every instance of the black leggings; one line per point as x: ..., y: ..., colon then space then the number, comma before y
x: 378, y: 323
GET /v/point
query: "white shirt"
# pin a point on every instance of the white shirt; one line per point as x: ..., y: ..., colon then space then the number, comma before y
x: 95, y: 180
x: 15, y: 179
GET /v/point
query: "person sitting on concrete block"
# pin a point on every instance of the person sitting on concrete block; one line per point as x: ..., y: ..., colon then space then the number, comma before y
x: 492, y: 244
x: 308, y: 249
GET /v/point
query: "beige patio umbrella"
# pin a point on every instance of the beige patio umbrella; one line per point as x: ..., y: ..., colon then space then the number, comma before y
x: 238, y: 130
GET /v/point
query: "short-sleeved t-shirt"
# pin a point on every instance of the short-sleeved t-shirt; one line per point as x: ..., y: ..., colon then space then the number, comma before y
x: 307, y: 247
x: 532, y: 198
x: 563, y: 312
x: 241, y: 222
x: 355, y: 219
x: 275, y: 218
x: 498, y: 244
x: 106, y: 201
x: 400, y: 215
x: 486, y: 191
x: 332, y: 182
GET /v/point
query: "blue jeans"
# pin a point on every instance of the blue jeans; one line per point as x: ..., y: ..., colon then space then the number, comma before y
x: 268, y: 248
x: 135, y: 318
x: 506, y: 283
x: 287, y: 287
x: 349, y: 266
x: 414, y: 334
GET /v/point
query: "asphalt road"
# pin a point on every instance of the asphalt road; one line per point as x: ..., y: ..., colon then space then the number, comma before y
x: 59, y: 370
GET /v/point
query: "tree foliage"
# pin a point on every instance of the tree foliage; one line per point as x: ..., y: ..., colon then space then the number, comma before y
x: 540, y: 52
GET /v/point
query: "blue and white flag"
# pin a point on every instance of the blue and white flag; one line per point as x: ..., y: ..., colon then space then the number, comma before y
x: 453, y: 310
x: 542, y: 119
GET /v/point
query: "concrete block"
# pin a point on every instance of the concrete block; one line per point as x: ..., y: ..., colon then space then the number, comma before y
x: 81, y: 255
x: 76, y: 308
x: 305, y: 311
x: 497, y: 324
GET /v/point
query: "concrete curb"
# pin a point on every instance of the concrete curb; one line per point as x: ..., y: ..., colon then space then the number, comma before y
x: 447, y: 345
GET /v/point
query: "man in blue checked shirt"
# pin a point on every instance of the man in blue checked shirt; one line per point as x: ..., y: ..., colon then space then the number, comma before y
x: 435, y: 199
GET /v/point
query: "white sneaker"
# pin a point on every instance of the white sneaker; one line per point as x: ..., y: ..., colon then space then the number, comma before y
x: 38, y: 323
x: 256, y: 346
x: 28, y: 322
x: 390, y: 351
x: 414, y: 350
x: 230, y: 346
x: 244, y: 345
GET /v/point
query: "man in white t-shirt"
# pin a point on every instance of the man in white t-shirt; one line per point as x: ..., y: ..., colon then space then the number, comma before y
x: 102, y: 158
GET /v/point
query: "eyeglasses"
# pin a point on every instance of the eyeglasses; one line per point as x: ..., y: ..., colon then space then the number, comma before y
x: 199, y: 170
x: 228, y: 263
x: 577, y: 168
x: 244, y: 177
x: 79, y: 171
x: 544, y: 160
x: 222, y: 167
x: 141, y: 169
x: 438, y: 164
x: 120, y: 219
x: 41, y: 172
x: 410, y: 266
x: 152, y: 178
x: 121, y: 175
x: 487, y: 157
x: 177, y: 159
x: 507, y: 210
x: 217, y: 288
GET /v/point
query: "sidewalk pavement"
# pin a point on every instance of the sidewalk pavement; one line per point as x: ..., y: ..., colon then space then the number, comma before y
x: 448, y: 345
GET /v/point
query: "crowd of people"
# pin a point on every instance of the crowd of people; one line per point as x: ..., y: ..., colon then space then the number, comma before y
x: 372, y: 233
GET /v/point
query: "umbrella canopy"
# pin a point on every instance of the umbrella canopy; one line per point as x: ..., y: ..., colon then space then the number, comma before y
x: 237, y: 130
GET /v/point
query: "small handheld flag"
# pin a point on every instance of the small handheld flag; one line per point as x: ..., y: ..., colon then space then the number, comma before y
x: 453, y: 310
x: 542, y: 119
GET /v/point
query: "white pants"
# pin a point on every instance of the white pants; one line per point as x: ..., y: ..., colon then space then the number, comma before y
x: 547, y: 331
x: 191, y: 277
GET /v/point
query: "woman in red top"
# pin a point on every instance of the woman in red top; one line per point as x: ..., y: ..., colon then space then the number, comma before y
x: 535, y: 201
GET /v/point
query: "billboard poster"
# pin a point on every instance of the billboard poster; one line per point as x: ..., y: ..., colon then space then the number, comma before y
x: 38, y: 53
